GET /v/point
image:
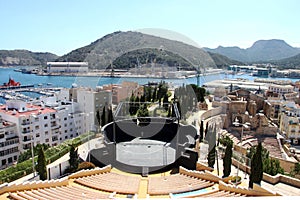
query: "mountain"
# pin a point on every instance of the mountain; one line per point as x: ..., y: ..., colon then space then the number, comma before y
x: 223, y: 61
x: 261, y: 50
x: 288, y: 63
x: 101, y: 53
x: 24, y: 58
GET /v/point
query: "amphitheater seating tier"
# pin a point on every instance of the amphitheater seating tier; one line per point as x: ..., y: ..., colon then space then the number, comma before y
x: 175, y: 184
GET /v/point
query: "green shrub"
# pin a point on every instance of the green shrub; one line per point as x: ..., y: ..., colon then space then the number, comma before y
x: 52, y: 153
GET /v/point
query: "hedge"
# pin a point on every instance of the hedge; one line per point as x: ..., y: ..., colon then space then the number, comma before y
x: 53, y: 153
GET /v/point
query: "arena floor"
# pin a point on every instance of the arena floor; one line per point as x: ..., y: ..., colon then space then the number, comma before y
x: 143, y: 152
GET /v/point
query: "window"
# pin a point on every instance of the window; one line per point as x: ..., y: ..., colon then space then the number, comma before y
x: 54, y: 138
x: 10, y: 160
x: 45, y: 117
x: 45, y: 125
x: 66, y: 137
x: 4, y: 162
x: 65, y: 119
x: 47, y: 140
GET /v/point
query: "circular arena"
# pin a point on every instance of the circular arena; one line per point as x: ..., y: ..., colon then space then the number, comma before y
x: 147, y: 145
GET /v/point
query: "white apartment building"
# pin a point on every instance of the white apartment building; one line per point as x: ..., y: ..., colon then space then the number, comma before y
x: 40, y: 124
x: 71, y: 121
x: 90, y: 102
x: 9, y: 143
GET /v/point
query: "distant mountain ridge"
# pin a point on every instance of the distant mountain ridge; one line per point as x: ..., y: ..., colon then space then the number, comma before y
x: 25, y: 58
x: 261, y: 50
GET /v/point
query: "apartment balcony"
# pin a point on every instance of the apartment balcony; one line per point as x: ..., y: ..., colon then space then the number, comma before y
x: 56, y: 132
x: 55, y: 128
x: 23, y: 123
x: 9, y: 142
x: 26, y: 141
x: 26, y: 131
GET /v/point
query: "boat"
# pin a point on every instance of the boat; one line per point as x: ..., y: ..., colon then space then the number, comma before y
x: 18, y: 70
x: 12, y: 84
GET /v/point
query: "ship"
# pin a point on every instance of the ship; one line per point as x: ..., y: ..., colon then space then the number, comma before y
x: 12, y: 84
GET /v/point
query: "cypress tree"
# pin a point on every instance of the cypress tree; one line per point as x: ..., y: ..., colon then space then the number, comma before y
x: 74, y: 160
x: 202, y: 92
x: 166, y: 102
x: 154, y: 95
x: 227, y: 160
x: 211, y: 158
x: 103, y: 117
x: 206, y: 130
x: 256, y: 167
x: 110, y: 115
x: 201, y: 131
x: 41, y: 164
x: 179, y: 109
x: 143, y: 99
x: 137, y: 103
x: 211, y: 139
x: 98, y: 117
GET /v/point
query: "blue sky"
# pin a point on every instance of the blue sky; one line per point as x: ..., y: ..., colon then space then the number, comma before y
x: 59, y: 26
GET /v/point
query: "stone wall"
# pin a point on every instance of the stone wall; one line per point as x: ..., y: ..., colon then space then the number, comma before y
x: 279, y: 178
x: 259, y: 100
x: 287, y: 165
x: 212, y: 113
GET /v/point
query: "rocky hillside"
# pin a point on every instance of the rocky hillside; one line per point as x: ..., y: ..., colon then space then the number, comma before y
x: 24, y: 58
